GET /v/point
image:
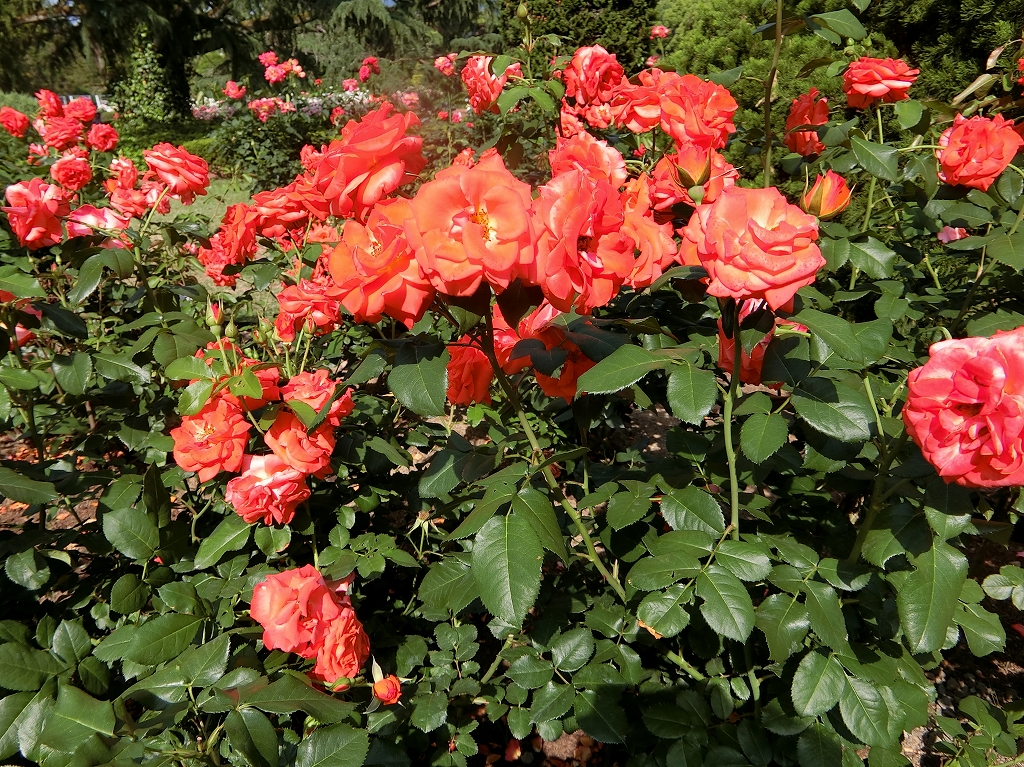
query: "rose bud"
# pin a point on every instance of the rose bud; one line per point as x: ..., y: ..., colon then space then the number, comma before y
x: 388, y: 690
x: 828, y: 197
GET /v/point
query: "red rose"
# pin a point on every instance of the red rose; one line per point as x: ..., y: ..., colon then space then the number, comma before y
x: 388, y: 690
x: 469, y: 374
x: 828, y: 197
x: 592, y: 76
x: 72, y: 170
x: 102, y: 137
x: 184, y: 174
x: 312, y: 305
x: 267, y: 490
x: 316, y: 390
x: 376, y: 270
x: 344, y: 650
x: 471, y: 225
x: 62, y: 132
x: 676, y: 174
x: 653, y: 241
x: 13, y: 121
x: 592, y: 156
x: 130, y: 202
x: 371, y: 160
x: 965, y: 409
x: 81, y: 109
x: 35, y: 211
x: 483, y: 86
x: 307, y: 452
x: 975, y: 151
x: 867, y: 81
x: 296, y: 609
x: 754, y: 244
x: 694, y: 111
x: 637, y: 107
x: 88, y: 219
x: 213, y: 440
x: 238, y: 233
x: 582, y: 256
x: 807, y: 109
x: 233, y: 90
x: 49, y: 104
x: 123, y: 174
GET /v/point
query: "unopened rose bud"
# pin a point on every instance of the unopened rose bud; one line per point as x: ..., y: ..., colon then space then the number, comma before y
x: 696, y: 194
x: 522, y: 12
x: 217, y: 330
x: 388, y: 690
x: 828, y: 197
x: 213, y: 315
x: 231, y: 331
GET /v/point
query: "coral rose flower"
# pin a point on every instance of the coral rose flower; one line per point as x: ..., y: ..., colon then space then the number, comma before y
x: 965, y: 409
x: 483, y: 86
x: 311, y: 305
x: 807, y: 109
x: 102, y: 137
x: 592, y: 156
x: 130, y: 202
x: 296, y: 609
x: 316, y: 389
x: 828, y: 197
x: 309, y: 453
x: 660, y: 31
x: 267, y: 58
x: 582, y: 256
x: 950, y: 234
x: 267, y: 490
x: 754, y: 244
x: 49, y: 104
x: 13, y: 121
x: 388, y: 690
x: 344, y: 650
x: 233, y: 90
x: 470, y: 225
x: 88, y: 219
x: 654, y: 242
x: 376, y: 270
x: 637, y: 107
x: 288, y: 207
x: 123, y: 174
x: 446, y: 64
x: 184, y: 174
x: 676, y: 174
x: 867, y: 81
x: 34, y: 211
x: 469, y: 374
x: 72, y: 171
x: 62, y: 132
x: 81, y: 109
x: 592, y: 76
x: 750, y: 364
x: 213, y: 440
x: 975, y: 151
x: 373, y: 157
x: 695, y: 111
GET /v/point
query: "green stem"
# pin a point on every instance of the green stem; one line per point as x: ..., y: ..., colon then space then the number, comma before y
x: 877, y: 495
x: 497, y: 661
x: 538, y: 455
x: 730, y: 402
x: 867, y: 222
x: 678, y: 659
x: 768, y: 88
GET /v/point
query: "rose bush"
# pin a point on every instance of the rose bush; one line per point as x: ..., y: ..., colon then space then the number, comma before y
x: 370, y: 490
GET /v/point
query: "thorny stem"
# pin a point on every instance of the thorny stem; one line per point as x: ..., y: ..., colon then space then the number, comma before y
x: 538, y: 455
x: 730, y: 403
x: 769, y: 86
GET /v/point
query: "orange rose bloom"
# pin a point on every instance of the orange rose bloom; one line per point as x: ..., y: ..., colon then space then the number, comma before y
x: 72, y: 170
x: 654, y: 241
x: 376, y: 271
x: 594, y: 157
x: 582, y: 256
x: 807, y: 109
x: 373, y: 157
x: 213, y: 440
x: 309, y: 453
x: 965, y: 409
x: 13, y: 121
x: 313, y: 305
x: 34, y: 211
x: 469, y: 374
x: 268, y: 490
x: 592, y: 76
x: 50, y: 104
x: 675, y: 174
x: 695, y: 111
x: 81, y: 109
x: 483, y: 86
x: 388, y: 690
x: 868, y: 80
x: 102, y: 137
x: 828, y: 197
x: 975, y: 151
x: 316, y: 389
x: 344, y: 650
x: 184, y: 174
x: 62, y: 132
x: 296, y: 609
x: 637, y: 108
x: 470, y: 225
x: 754, y: 244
